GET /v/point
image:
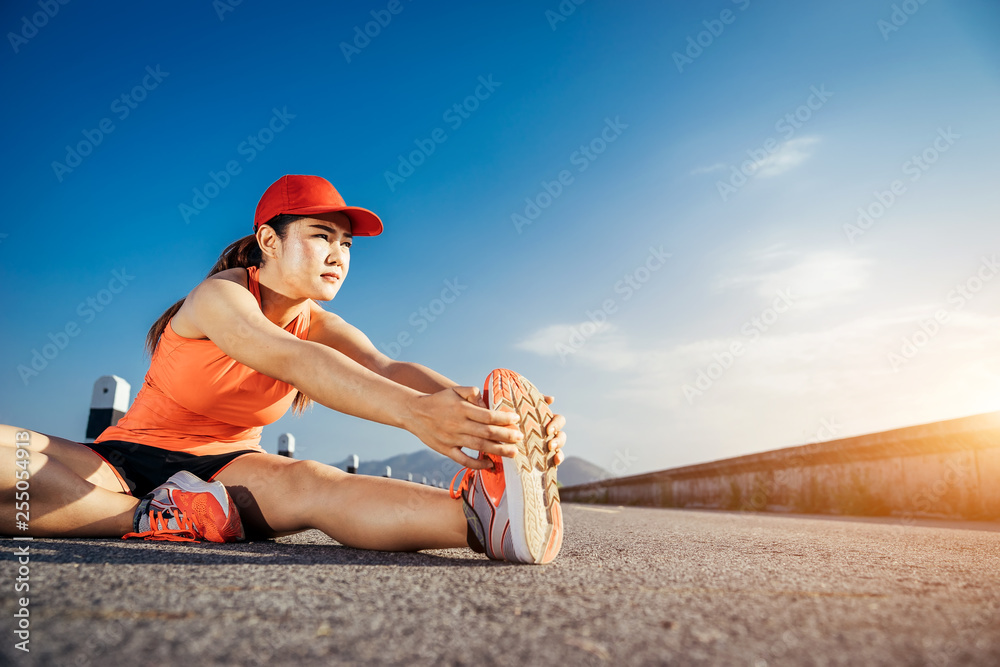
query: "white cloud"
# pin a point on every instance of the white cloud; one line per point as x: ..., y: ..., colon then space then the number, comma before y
x: 812, y: 368
x: 601, y: 346
x: 785, y: 387
x: 814, y: 279
x: 791, y: 154
x: 848, y: 365
x: 718, y: 166
x: 544, y: 342
x: 784, y: 384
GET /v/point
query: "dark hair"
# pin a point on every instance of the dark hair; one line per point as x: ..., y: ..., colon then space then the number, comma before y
x: 242, y: 253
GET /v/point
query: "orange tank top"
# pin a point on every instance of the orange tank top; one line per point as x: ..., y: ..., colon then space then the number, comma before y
x: 196, y: 399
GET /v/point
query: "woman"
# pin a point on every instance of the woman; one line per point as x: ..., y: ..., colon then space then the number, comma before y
x: 233, y: 356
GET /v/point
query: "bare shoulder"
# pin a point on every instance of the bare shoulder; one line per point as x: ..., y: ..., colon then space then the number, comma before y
x: 236, y: 275
x: 222, y: 310
x: 183, y: 323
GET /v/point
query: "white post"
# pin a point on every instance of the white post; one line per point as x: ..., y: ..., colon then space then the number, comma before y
x: 352, y: 467
x: 286, y: 445
x: 108, y: 404
x: 388, y: 471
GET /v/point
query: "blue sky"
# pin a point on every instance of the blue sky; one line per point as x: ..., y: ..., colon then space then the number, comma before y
x: 697, y: 286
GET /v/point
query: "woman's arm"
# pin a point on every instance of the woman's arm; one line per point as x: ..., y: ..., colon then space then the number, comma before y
x: 418, y: 377
x: 333, y: 331
x: 446, y: 420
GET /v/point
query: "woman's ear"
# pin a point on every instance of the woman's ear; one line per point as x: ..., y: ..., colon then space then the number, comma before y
x: 268, y: 241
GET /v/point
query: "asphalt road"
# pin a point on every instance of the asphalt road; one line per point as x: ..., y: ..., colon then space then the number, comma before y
x: 632, y: 586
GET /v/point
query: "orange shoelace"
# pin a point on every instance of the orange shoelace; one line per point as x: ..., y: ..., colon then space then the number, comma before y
x: 464, y: 485
x: 159, y: 530
x: 468, y: 472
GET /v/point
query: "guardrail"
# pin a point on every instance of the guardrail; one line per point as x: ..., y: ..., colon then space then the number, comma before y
x: 948, y: 469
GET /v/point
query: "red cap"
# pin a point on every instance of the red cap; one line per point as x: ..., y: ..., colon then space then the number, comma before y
x: 308, y: 195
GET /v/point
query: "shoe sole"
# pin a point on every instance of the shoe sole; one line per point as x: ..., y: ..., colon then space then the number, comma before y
x: 530, y: 476
x: 231, y: 529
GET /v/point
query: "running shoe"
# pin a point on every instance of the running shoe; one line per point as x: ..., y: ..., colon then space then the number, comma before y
x: 187, y: 509
x: 513, y: 510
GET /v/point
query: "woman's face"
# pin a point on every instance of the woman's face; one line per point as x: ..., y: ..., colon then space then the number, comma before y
x: 316, y: 254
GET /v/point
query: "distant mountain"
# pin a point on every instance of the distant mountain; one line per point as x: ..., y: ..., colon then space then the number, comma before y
x: 575, y: 470
x: 423, y: 463
x: 438, y: 468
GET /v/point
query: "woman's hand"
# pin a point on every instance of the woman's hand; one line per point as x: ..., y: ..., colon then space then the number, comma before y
x: 458, y: 417
x: 555, y: 427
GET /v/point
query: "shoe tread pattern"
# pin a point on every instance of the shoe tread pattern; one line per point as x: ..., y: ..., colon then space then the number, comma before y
x: 512, y: 393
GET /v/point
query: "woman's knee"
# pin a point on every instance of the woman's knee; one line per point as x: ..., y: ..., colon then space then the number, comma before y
x: 307, y: 479
x: 11, y: 435
x: 278, y: 497
x: 16, y: 455
x: 17, y: 471
x: 79, y: 458
x: 267, y: 474
x: 315, y: 469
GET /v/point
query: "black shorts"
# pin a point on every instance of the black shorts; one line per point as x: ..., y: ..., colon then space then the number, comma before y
x: 143, y: 468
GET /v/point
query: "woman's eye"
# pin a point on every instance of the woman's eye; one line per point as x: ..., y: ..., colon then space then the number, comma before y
x: 321, y: 236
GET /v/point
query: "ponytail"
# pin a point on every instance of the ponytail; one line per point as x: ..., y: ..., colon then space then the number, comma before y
x: 243, y: 253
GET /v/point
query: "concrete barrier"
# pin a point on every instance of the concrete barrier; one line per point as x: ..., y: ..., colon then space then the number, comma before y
x: 108, y: 403
x: 286, y: 445
x: 948, y: 469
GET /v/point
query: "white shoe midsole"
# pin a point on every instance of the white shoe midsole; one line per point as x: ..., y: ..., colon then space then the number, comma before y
x: 515, y: 510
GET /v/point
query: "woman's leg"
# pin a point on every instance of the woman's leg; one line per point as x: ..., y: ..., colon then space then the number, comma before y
x: 71, y: 491
x: 277, y: 496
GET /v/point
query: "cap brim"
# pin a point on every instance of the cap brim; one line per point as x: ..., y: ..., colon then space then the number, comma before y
x: 363, y: 221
